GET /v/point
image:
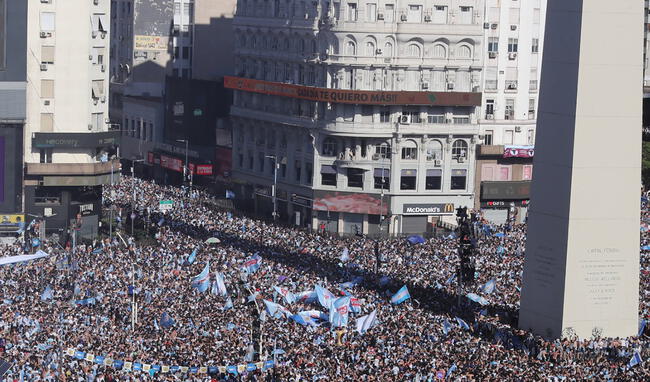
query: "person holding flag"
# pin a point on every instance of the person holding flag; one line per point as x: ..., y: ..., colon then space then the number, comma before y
x: 219, y: 287
x: 202, y: 281
x: 288, y: 296
x: 325, y: 297
x: 339, y: 312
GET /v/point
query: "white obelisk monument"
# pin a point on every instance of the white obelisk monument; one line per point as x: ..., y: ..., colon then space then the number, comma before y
x: 581, y: 272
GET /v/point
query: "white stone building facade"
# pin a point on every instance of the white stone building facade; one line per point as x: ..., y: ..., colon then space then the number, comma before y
x: 345, y: 165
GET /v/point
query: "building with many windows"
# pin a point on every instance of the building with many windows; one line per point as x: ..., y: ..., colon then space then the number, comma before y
x: 67, y: 145
x: 365, y: 111
x: 514, y: 39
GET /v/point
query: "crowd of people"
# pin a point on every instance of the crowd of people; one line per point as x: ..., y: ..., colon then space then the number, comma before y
x: 82, y: 299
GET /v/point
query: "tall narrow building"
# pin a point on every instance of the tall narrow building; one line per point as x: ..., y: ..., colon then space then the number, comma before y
x: 363, y: 111
x: 67, y: 142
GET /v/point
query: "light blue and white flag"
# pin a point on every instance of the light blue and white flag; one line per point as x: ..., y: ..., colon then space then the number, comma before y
x: 345, y: 255
x: 355, y: 304
x: 228, y: 304
x: 219, y: 287
x: 325, y: 297
x: 339, y: 312
x: 351, y: 284
x: 364, y: 323
x: 306, y: 296
x: 451, y: 278
x: 303, y: 319
x: 489, y: 286
x: 276, y: 310
x: 635, y: 360
x: 166, y: 321
x: 192, y: 257
x: 451, y: 370
x: 642, y: 325
x: 462, y: 323
x: 478, y: 299
x: 446, y: 326
x: 288, y: 296
x: 401, y: 296
x: 202, y: 281
x: 253, y: 263
x: 47, y: 294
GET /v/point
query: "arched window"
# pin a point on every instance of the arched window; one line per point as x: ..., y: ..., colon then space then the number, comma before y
x: 434, y: 150
x: 459, y: 149
x: 439, y: 51
x: 382, y: 150
x: 329, y: 147
x: 388, y: 49
x: 351, y: 49
x: 464, y: 51
x: 370, y: 49
x: 413, y: 51
x: 409, y: 150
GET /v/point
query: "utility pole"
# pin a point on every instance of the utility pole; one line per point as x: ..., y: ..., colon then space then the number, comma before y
x: 275, y: 185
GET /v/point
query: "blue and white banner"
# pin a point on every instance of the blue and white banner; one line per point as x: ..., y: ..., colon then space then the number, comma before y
x: 152, y: 369
x: 339, y: 312
x: 306, y: 296
x: 253, y: 263
x: 635, y: 360
x: 276, y: 310
x: 401, y: 296
x: 288, y: 296
x: 202, y: 281
x: 364, y: 323
x: 462, y: 323
x: 325, y: 297
x: 478, y: 299
x: 192, y: 257
x: 489, y: 286
x: 219, y: 286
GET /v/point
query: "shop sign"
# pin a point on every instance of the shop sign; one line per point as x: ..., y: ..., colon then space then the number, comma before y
x: 429, y: 209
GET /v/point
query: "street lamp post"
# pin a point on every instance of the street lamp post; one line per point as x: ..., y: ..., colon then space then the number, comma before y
x: 186, y: 167
x: 275, y: 186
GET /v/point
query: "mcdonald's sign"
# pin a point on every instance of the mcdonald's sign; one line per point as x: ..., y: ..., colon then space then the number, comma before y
x: 429, y: 209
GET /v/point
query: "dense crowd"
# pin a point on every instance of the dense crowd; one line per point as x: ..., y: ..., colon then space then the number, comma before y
x: 82, y: 299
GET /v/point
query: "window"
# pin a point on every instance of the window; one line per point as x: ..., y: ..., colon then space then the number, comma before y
x: 493, y: 44
x: 533, y: 79
x: 414, y: 14
x: 250, y: 162
x: 458, y: 179
x: 47, y: 21
x: 489, y: 109
x: 355, y: 178
x: 98, y: 55
x: 460, y: 120
x: 463, y: 51
x: 491, y: 78
x: 513, y: 45
x: 411, y: 152
x: 352, y: 12
x: 97, y: 120
x: 413, y: 51
x: 298, y: 166
x: 186, y: 52
x: 504, y: 173
x: 47, y: 122
x: 310, y: 173
x: 371, y: 12
x: 535, y: 46
x: 413, y: 115
x: 536, y: 15
x: 439, y: 51
x: 47, y: 88
x: 530, y: 138
x: 351, y: 49
x: 531, y: 108
x: 370, y: 49
x: 465, y: 15
x: 240, y: 160
x: 434, y: 150
x: 508, y: 138
x: 45, y: 155
x: 510, y: 109
x: 388, y: 50
x: 382, y: 178
x: 389, y: 16
x: 433, y: 180
x: 97, y: 89
x: 383, y: 151
x: 527, y: 172
x: 435, y: 118
x: 459, y: 149
x: 408, y: 180
x: 514, y: 16
x: 328, y: 175
x: 47, y: 55
x: 260, y: 160
x: 487, y: 140
x: 440, y: 14
x: 384, y: 116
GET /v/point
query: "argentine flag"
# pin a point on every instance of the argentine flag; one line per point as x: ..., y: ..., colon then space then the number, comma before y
x: 253, y: 264
x: 635, y: 360
x: 202, y: 281
x: 489, y: 286
x: 478, y: 299
x: 276, y: 310
x: 401, y: 296
x: 306, y: 296
x: 325, y: 297
x: 288, y: 296
x: 462, y: 323
x: 192, y: 257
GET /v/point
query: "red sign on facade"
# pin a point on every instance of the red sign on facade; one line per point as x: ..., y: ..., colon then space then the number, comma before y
x: 171, y: 163
x: 204, y: 169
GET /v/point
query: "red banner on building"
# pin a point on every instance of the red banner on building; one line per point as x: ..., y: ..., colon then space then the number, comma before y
x: 518, y: 151
x: 171, y: 163
x: 204, y: 169
x: 363, y: 97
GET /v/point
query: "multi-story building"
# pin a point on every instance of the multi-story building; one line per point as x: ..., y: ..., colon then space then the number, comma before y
x: 13, y: 80
x: 514, y: 39
x: 362, y: 109
x: 67, y: 145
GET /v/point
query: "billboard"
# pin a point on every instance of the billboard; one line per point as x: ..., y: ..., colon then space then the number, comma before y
x: 150, y: 43
x: 505, y: 190
x: 350, y: 202
x: 11, y: 223
x: 171, y: 163
x: 363, y: 97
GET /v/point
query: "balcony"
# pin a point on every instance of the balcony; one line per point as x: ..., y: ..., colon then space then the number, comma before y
x: 72, y: 169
